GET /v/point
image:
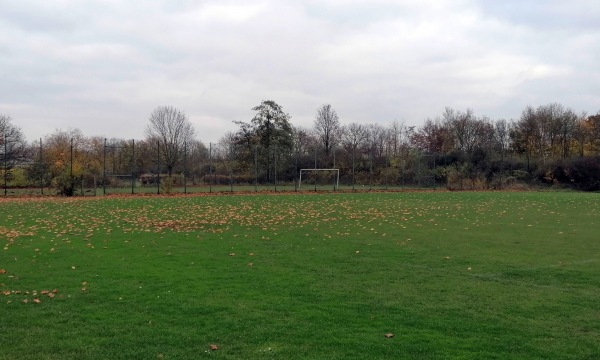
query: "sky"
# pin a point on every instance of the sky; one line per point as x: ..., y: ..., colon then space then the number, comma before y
x: 103, y: 66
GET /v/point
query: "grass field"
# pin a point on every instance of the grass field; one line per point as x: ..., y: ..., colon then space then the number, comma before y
x: 485, y: 275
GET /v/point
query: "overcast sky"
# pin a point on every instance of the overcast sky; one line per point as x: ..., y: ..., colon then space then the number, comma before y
x: 103, y: 66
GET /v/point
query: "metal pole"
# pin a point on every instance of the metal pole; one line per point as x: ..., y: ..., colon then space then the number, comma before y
x: 275, y: 169
x: 5, y: 167
x: 434, y: 170
x: 104, y: 170
x: 158, y: 166
x: 315, y: 168
x: 209, y: 167
x: 419, y: 172
x: 231, y: 168
x: 296, y: 173
x: 71, y: 170
x: 371, y: 170
x: 41, y: 168
x: 353, y: 151
x: 335, y: 187
x: 255, y: 168
x: 132, y: 165
x: 184, y: 167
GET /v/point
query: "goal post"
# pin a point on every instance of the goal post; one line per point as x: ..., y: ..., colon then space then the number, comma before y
x: 335, y: 171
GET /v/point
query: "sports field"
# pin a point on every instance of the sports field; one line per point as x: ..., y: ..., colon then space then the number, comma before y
x: 451, y: 275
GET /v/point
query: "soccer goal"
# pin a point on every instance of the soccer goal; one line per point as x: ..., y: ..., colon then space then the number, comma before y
x: 336, y: 173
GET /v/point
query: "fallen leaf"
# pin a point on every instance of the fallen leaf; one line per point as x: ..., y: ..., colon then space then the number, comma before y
x: 232, y: 254
x: 44, y: 292
x: 389, y: 335
x: 214, y: 347
x: 37, y: 301
x: 50, y: 295
x: 25, y: 301
x: 2, y: 271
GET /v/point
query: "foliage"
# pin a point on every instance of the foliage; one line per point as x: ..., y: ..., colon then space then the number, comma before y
x: 579, y: 173
x: 167, y: 184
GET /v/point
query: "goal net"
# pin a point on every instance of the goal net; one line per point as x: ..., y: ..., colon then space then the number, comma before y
x: 314, y: 172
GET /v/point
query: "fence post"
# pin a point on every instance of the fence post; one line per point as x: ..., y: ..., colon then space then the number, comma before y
x: 275, y: 167
x: 315, y: 167
x: 296, y: 171
x: 158, y: 166
x: 132, y: 166
x: 371, y: 169
x: 209, y: 167
x: 5, y: 167
x: 255, y: 168
x: 230, y: 167
x: 338, y: 172
x: 41, y: 168
x: 104, y: 170
x: 184, y: 167
x: 353, y: 151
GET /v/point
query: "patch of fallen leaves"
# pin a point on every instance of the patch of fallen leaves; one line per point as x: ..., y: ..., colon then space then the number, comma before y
x: 34, y: 293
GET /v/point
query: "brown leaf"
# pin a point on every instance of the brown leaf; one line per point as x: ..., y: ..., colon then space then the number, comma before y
x: 37, y: 301
x: 44, y: 292
x: 2, y: 271
x: 214, y: 347
x: 50, y: 295
x: 389, y: 335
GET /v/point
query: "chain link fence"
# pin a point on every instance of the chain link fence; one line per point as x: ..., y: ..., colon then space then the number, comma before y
x: 141, y: 167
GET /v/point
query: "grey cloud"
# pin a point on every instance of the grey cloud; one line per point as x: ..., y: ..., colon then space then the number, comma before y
x: 104, y: 64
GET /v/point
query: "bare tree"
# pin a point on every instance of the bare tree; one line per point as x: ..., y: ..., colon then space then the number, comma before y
x: 12, y: 143
x: 327, y: 127
x: 172, y: 129
x: 465, y: 127
x: 354, y: 135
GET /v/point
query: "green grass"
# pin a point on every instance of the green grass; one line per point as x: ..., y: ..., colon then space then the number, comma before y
x: 315, y: 276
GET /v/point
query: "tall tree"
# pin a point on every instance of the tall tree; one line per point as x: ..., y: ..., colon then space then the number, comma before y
x: 172, y: 129
x: 272, y: 126
x: 327, y: 127
x: 12, y: 143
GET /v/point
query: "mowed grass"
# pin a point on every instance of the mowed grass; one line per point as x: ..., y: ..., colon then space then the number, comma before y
x: 302, y: 276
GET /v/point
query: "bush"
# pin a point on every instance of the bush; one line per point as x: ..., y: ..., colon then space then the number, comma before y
x: 581, y: 173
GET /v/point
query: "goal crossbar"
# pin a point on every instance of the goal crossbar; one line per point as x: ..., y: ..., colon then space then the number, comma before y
x: 337, y: 175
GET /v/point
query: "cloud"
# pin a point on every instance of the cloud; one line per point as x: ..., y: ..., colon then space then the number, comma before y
x: 98, y: 65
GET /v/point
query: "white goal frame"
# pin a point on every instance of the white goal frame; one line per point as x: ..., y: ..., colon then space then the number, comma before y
x: 337, y: 176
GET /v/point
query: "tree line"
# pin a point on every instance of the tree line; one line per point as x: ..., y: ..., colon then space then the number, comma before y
x: 549, y: 144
